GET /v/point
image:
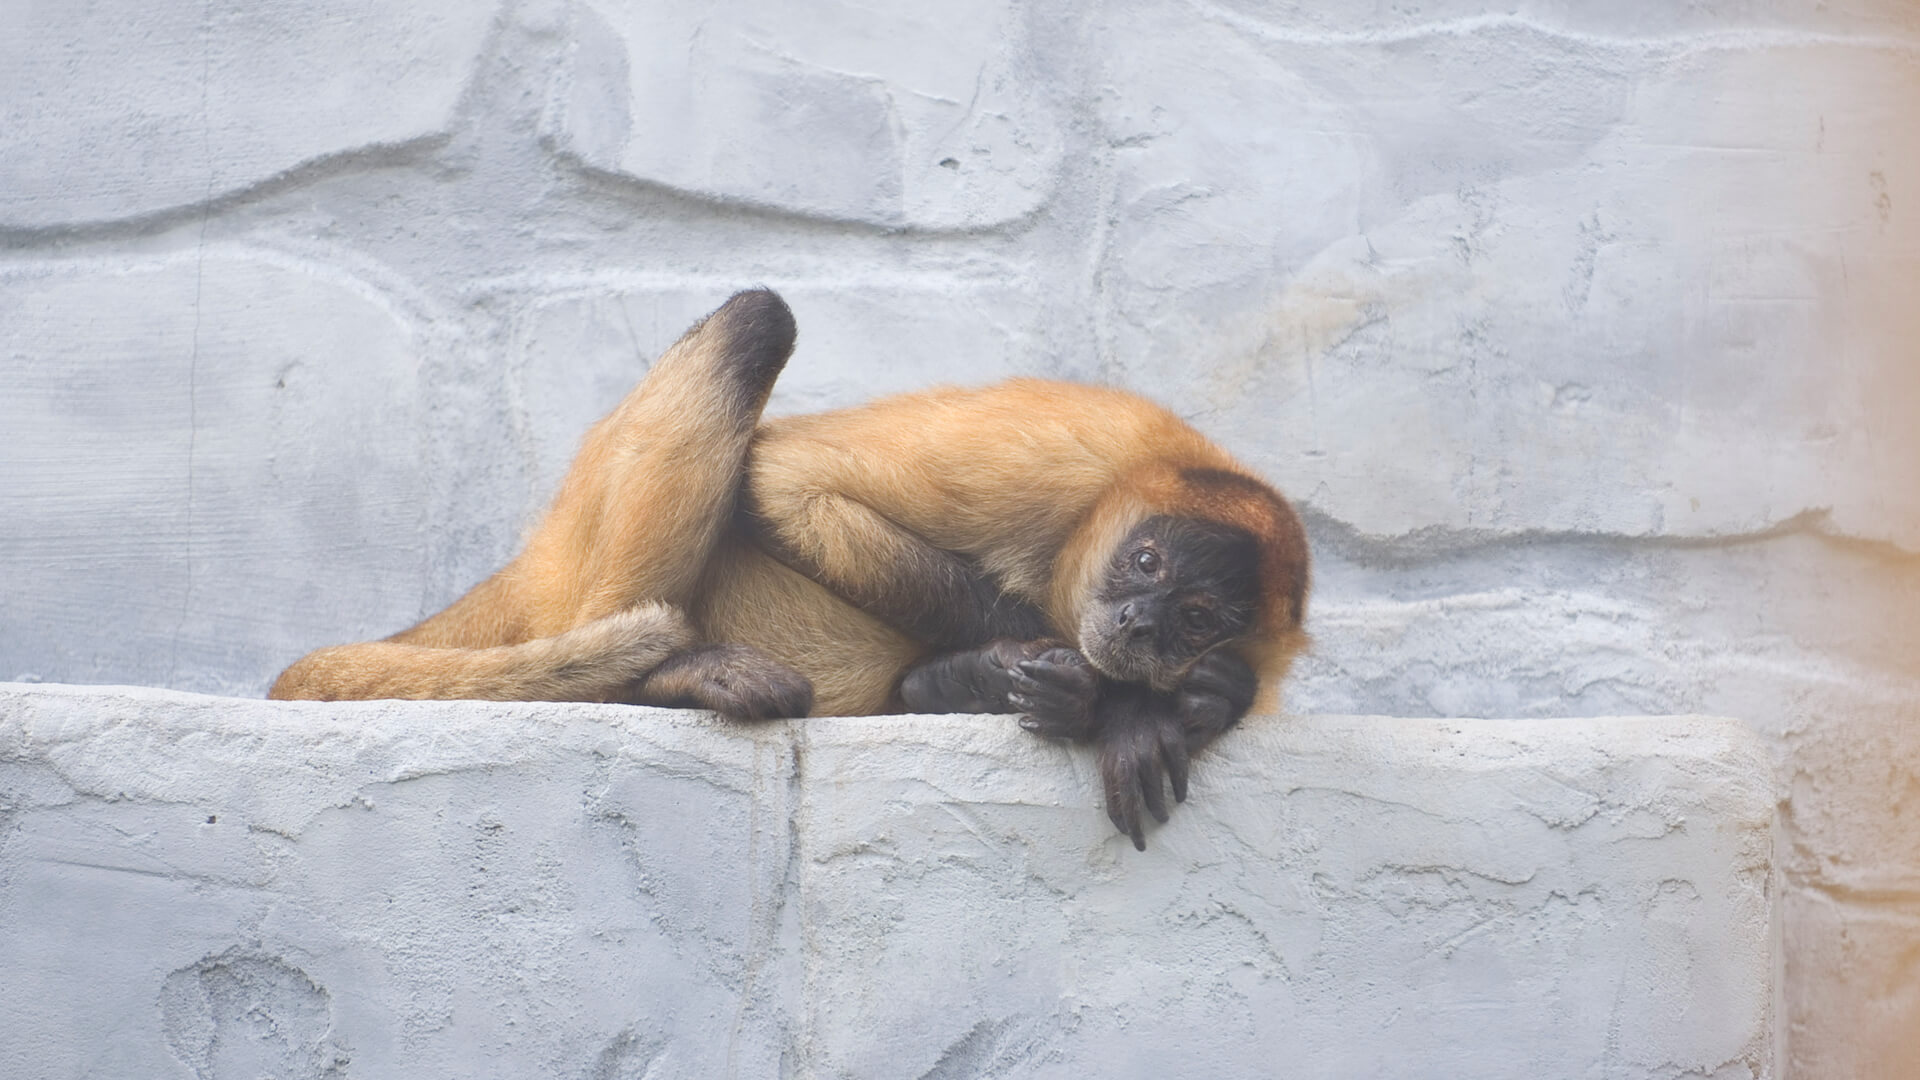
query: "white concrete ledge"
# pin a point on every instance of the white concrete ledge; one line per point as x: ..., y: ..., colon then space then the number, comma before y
x: 204, y: 887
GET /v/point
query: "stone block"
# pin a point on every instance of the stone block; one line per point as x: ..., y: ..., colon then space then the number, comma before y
x: 903, y: 116
x: 1852, y: 812
x: 1547, y: 273
x: 119, y: 110
x: 1852, y: 981
x: 214, y: 462
x: 576, y: 353
x: 445, y: 889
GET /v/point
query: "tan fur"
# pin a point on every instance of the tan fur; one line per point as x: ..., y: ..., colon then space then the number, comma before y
x: 642, y: 504
x: 1036, y: 480
x: 588, y: 663
x: 853, y: 659
x: 635, y: 542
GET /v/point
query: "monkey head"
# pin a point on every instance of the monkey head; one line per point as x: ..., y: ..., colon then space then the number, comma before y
x: 1174, y: 562
x: 1172, y: 589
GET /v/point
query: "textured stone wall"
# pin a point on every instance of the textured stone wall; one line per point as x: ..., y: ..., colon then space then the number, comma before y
x: 198, y: 887
x: 1582, y: 332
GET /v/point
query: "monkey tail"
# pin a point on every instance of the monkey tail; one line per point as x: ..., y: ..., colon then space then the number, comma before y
x: 594, y: 662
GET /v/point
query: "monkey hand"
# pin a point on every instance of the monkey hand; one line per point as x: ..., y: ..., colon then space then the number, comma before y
x: 1041, y: 674
x: 1056, y: 689
x: 1143, y: 746
x: 1217, y: 692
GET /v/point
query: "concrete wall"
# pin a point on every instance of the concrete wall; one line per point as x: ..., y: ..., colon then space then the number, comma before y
x: 1583, y: 333
x: 196, y: 887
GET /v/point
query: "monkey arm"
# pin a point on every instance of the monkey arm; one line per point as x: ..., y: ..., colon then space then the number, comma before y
x: 587, y: 663
x: 1046, y: 680
x: 1141, y: 742
x: 934, y: 595
x: 1146, y: 737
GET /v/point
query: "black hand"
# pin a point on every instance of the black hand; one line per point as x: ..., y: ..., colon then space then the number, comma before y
x: 970, y: 680
x: 1051, y: 683
x: 1146, y: 735
x: 1216, y: 694
x: 1142, y: 743
x: 1057, y: 690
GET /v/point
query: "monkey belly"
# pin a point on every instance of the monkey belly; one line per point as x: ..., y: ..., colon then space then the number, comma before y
x: 853, y: 660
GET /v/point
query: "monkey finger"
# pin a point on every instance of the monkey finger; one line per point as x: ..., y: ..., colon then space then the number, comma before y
x: 1042, y: 681
x: 1064, y: 655
x: 1077, y: 681
x: 1050, y: 699
x: 1123, y: 802
x: 1005, y: 654
x: 1222, y: 672
x: 1173, y: 748
x: 1151, y: 787
x: 1058, y: 713
x: 1041, y: 721
x: 1032, y: 720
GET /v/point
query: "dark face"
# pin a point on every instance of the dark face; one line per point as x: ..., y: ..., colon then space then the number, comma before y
x: 1174, y: 588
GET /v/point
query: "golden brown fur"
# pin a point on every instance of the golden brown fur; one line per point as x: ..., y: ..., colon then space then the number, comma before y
x: 634, y: 560
x: 1038, y: 481
x: 584, y: 663
x: 1032, y: 482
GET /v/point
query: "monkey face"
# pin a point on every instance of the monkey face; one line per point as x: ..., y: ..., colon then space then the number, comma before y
x: 1174, y: 588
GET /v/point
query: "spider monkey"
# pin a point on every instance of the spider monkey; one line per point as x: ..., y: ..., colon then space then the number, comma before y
x: 1074, y: 554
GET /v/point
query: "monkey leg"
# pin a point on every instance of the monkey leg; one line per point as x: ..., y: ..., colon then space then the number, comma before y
x: 647, y: 494
x: 935, y: 596
x: 635, y: 521
x: 852, y: 659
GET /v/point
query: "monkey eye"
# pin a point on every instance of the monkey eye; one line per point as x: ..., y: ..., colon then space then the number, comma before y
x: 1146, y: 561
x: 1197, y: 619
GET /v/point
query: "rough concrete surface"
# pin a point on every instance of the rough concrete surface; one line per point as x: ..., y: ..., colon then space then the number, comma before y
x: 1584, y: 334
x: 200, y: 887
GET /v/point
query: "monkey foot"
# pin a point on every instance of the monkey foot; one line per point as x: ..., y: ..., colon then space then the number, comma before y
x: 737, y: 681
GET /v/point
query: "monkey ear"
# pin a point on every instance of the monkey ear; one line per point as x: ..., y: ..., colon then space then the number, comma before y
x: 1283, y: 590
x: 1297, y: 600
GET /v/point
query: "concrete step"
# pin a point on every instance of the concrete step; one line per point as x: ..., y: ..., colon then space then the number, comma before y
x: 207, y: 887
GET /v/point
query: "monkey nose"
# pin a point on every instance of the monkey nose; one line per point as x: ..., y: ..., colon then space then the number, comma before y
x: 1133, y: 618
